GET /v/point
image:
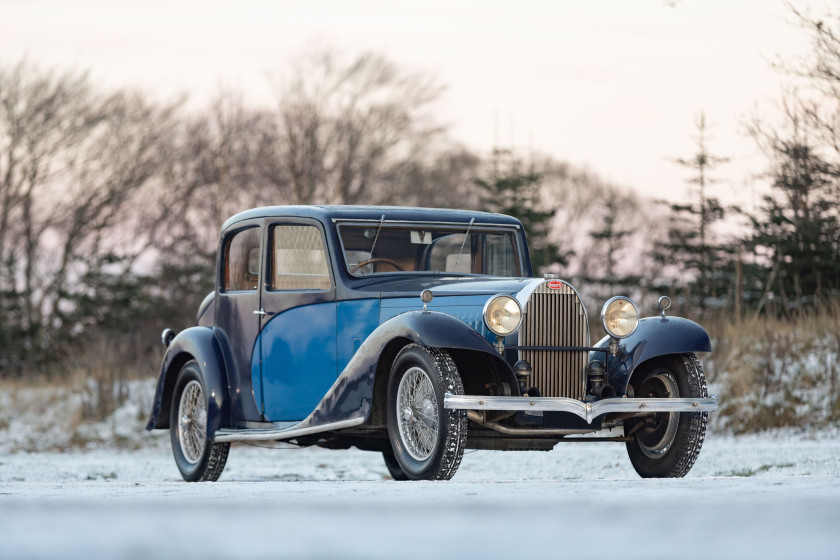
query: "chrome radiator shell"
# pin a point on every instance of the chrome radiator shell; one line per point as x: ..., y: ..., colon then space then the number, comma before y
x: 555, y: 316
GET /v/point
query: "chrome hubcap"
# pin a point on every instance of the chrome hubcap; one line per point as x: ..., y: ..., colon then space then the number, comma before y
x: 657, y: 438
x: 418, y: 422
x: 192, y: 428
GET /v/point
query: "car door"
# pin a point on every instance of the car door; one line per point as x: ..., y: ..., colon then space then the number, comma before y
x: 298, y: 337
x: 237, y: 300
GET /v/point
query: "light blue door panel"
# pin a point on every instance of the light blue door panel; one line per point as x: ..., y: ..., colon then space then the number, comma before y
x: 356, y: 320
x: 298, y: 350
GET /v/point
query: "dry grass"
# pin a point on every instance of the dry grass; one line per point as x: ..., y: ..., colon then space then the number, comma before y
x: 98, y: 397
x: 772, y: 372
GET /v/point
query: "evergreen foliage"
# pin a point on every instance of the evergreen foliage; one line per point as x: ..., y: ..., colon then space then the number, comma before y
x: 692, y: 244
x: 796, y: 235
x: 516, y: 192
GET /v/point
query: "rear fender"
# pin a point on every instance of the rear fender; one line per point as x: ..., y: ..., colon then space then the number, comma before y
x: 202, y: 345
x: 352, y: 394
x: 654, y: 337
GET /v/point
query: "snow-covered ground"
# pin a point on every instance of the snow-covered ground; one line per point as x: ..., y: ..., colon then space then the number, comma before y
x: 764, y: 496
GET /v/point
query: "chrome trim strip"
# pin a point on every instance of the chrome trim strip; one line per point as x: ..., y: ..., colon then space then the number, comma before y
x: 364, y: 221
x: 587, y: 411
x: 523, y: 294
x: 282, y: 433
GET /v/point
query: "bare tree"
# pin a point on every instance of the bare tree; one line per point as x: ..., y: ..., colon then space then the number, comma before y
x: 43, y: 117
x: 351, y: 132
x: 212, y: 174
x: 819, y: 94
x: 71, y: 162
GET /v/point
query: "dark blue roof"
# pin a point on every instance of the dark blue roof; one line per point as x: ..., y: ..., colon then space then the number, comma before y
x: 392, y: 213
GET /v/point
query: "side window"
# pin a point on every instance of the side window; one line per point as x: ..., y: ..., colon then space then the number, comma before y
x: 299, y: 261
x: 242, y: 261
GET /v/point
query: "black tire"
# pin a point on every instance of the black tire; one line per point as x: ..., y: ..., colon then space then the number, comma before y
x: 197, y: 458
x: 427, y: 440
x: 394, y: 468
x: 666, y: 444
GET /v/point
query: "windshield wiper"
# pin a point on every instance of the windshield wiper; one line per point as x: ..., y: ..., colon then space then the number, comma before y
x: 458, y: 260
x: 375, y: 237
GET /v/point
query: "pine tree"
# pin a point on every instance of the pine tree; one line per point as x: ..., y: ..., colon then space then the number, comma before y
x: 611, y: 238
x: 798, y: 229
x: 516, y: 192
x: 691, y: 242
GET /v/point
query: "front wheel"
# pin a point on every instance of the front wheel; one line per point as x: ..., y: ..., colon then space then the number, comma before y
x: 427, y: 440
x: 394, y: 468
x: 666, y: 444
x: 198, y: 459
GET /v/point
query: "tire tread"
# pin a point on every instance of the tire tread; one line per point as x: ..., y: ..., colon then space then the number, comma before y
x: 686, y: 448
x: 453, y: 422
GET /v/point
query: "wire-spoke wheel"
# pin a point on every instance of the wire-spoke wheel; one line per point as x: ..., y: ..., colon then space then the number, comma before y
x: 417, y: 413
x: 192, y: 422
x: 197, y: 458
x: 666, y: 444
x: 427, y: 440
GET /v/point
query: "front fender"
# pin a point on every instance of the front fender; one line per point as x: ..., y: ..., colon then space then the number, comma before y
x: 352, y: 394
x: 655, y: 336
x: 202, y: 345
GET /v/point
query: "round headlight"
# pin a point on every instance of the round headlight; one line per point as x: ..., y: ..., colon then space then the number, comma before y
x: 503, y: 315
x: 620, y: 317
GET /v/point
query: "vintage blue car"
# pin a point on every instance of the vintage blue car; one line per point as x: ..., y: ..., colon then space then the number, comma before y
x: 418, y: 333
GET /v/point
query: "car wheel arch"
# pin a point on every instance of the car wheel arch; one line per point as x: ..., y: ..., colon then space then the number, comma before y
x: 171, y: 377
x: 655, y: 338
x: 380, y: 382
x: 653, y: 362
x: 478, y: 370
x: 199, y: 344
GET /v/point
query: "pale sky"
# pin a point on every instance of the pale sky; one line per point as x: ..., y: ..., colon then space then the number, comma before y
x: 610, y: 85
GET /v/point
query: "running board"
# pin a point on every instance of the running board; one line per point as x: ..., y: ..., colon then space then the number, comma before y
x: 262, y: 434
x: 587, y: 411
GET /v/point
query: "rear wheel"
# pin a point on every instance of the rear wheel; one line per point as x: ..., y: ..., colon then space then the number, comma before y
x: 197, y: 458
x: 666, y: 444
x: 427, y: 440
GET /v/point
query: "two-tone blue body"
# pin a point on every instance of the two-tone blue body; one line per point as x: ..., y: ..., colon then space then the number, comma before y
x: 654, y: 337
x: 294, y: 363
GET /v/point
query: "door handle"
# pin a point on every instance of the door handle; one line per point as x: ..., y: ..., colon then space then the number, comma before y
x: 262, y: 312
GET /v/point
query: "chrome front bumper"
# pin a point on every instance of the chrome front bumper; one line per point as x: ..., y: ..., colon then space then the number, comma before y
x: 587, y: 411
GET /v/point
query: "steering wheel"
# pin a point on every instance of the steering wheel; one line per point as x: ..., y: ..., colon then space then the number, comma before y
x: 377, y: 260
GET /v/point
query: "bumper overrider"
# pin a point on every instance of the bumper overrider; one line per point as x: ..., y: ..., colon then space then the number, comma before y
x: 587, y: 411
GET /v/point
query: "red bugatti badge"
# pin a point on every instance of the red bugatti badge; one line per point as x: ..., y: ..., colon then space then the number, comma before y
x: 554, y: 284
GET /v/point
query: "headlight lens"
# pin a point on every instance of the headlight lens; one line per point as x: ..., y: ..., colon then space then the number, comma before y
x: 620, y: 317
x: 503, y: 315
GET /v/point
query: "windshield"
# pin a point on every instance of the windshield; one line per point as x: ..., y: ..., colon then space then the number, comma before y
x: 380, y: 247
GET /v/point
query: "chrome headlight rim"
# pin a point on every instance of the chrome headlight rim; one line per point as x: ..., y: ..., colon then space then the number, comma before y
x: 606, y: 307
x: 490, y: 302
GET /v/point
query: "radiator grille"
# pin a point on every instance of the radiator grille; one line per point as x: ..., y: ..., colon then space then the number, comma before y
x: 555, y: 317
